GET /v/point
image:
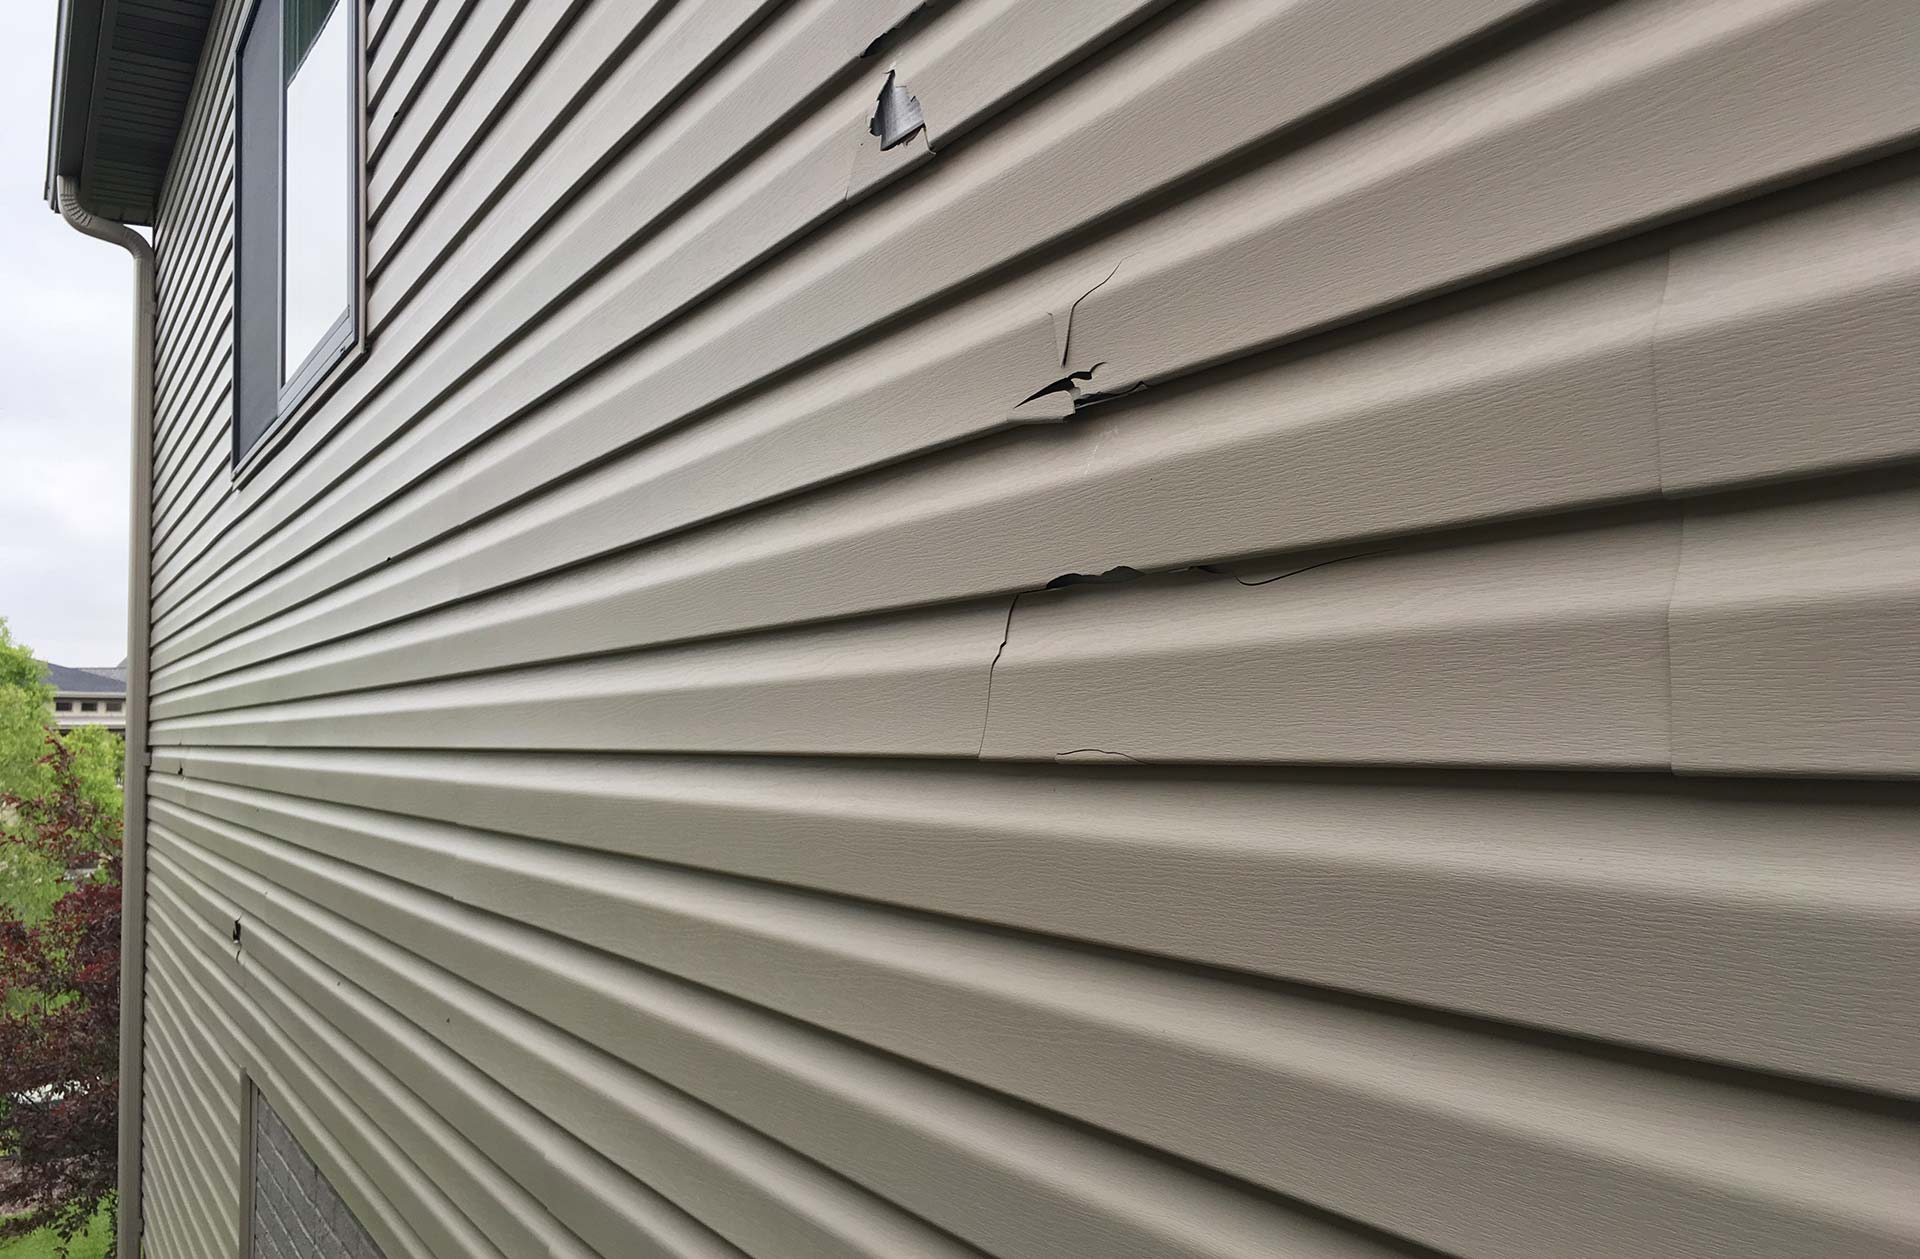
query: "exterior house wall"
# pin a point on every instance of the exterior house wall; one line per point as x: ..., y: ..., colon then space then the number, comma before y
x: 1289, y: 633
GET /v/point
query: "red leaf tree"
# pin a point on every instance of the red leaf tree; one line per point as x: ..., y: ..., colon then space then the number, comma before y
x: 60, y: 1013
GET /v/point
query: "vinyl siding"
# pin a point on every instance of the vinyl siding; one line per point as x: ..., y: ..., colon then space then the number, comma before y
x: 1291, y: 633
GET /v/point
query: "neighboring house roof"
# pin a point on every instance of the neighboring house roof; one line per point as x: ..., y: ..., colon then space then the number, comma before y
x: 69, y: 680
x: 118, y: 672
x: 122, y: 72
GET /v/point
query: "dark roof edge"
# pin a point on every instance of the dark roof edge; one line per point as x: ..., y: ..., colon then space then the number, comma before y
x: 76, y: 57
x: 123, y: 74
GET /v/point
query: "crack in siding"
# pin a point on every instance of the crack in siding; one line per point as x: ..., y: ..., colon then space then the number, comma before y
x: 900, y: 22
x: 1118, y: 574
x: 1066, y: 340
x: 1218, y: 571
x: 1096, y: 755
x: 1067, y: 384
x: 1006, y: 633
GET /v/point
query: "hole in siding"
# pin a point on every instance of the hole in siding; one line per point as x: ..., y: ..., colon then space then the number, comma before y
x: 896, y: 116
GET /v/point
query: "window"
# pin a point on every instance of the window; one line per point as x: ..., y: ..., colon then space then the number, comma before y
x: 88, y: 706
x: 63, y: 706
x: 297, y: 268
x: 113, y: 705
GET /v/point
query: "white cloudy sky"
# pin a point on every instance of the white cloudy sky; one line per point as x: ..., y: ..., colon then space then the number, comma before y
x: 65, y: 312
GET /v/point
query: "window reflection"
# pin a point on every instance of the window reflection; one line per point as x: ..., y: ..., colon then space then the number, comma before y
x: 319, y: 200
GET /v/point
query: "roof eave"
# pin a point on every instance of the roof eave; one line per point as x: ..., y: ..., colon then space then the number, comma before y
x: 76, y: 57
x: 122, y: 75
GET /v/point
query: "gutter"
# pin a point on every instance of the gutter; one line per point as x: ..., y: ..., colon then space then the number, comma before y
x: 133, y: 870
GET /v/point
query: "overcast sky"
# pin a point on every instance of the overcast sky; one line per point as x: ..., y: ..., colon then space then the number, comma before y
x: 65, y: 316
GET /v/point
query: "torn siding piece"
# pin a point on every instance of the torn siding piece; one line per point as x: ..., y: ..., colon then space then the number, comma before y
x: 896, y: 115
x: 1407, y: 431
x: 746, y: 336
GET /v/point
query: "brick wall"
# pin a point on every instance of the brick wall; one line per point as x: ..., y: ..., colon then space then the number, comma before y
x: 296, y: 1213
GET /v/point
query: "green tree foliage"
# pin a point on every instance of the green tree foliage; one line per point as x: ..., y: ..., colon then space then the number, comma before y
x: 26, y: 708
x: 99, y: 758
x: 60, y: 803
x: 29, y: 884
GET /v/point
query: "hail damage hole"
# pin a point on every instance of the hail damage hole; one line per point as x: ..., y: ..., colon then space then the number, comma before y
x: 899, y: 24
x: 896, y: 116
x: 1070, y: 383
x: 1119, y: 573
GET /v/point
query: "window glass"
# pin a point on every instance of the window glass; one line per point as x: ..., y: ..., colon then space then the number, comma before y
x: 319, y: 196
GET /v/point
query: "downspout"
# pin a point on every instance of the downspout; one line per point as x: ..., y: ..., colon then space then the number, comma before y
x: 133, y: 871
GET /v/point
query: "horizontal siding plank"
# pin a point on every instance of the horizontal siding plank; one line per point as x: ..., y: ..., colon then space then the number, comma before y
x: 912, y: 685
x: 1793, y: 636
x: 1284, y: 1091
x: 1367, y: 439
x: 638, y: 726
x: 360, y: 1162
x: 1544, y: 651
x: 762, y: 1196
x: 509, y: 1216
x: 1038, y: 1188
x: 1793, y: 348
x: 393, y: 138
x: 824, y: 297
x: 433, y: 154
x: 1511, y: 162
x: 1775, y: 931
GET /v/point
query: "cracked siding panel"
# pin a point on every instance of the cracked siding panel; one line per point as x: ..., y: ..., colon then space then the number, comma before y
x: 693, y: 423
x: 1542, y: 651
x: 872, y: 410
x: 984, y: 213
x: 1412, y: 430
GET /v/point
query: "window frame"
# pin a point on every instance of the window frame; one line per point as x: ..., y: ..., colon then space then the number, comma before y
x: 344, y: 345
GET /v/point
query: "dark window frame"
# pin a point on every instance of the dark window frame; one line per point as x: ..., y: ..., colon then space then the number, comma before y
x: 345, y: 343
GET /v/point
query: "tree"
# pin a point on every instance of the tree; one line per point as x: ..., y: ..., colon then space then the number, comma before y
x: 28, y: 883
x: 60, y: 1010
x: 60, y: 800
x: 26, y: 709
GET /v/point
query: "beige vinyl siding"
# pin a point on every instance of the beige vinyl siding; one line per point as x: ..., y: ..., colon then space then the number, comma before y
x: 1289, y: 634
